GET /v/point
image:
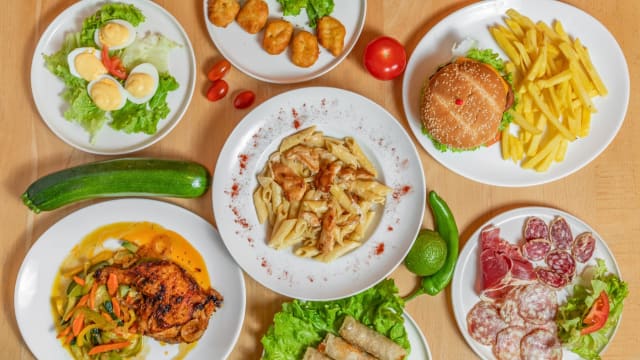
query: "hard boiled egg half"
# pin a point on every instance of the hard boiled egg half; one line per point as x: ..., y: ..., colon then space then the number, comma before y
x: 115, y: 34
x: 142, y: 83
x: 107, y: 93
x: 86, y: 63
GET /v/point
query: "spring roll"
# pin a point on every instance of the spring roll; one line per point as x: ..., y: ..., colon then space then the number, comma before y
x: 336, y: 348
x: 314, y: 354
x: 370, y: 340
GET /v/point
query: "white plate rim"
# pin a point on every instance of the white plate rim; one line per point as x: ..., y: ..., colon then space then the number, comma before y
x: 470, y: 249
x: 149, y: 210
x: 245, y: 254
x: 38, y: 69
x: 619, y: 94
x: 313, y: 72
x: 419, y: 334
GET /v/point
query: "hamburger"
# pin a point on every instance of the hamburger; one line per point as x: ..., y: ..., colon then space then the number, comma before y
x: 464, y: 102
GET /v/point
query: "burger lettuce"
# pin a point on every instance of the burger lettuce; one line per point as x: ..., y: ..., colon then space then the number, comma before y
x: 491, y: 58
x: 305, y: 323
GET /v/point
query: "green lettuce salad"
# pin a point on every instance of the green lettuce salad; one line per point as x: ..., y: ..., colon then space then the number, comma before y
x: 315, y: 8
x: 305, y: 323
x: 132, y: 118
x: 571, y: 315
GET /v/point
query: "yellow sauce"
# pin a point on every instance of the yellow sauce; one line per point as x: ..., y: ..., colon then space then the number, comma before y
x: 139, y: 84
x: 166, y: 244
x: 106, y: 95
x: 114, y: 34
x: 88, y: 66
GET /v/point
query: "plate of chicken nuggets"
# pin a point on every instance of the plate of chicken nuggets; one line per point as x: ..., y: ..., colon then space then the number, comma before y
x: 259, y: 40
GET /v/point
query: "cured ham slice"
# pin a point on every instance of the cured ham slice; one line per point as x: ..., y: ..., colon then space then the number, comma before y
x: 502, y: 265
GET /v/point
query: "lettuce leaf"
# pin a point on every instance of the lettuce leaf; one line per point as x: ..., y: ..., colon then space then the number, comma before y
x: 152, y: 48
x: 305, y: 323
x: 571, y: 315
x: 136, y: 118
x: 315, y: 9
x: 108, y: 12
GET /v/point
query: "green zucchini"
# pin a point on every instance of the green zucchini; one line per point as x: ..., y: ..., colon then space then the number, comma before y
x: 117, y: 178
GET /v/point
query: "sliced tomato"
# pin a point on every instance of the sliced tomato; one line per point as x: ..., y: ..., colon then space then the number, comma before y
x: 597, y: 316
x: 113, y: 64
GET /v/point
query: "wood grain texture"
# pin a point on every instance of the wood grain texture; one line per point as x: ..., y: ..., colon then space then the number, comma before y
x: 605, y: 194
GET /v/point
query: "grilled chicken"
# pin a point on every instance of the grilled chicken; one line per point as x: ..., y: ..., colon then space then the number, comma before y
x: 172, y: 307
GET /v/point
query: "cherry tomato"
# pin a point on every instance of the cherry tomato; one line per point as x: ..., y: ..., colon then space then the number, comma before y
x: 597, y: 316
x: 217, y: 90
x: 244, y: 99
x: 385, y: 58
x: 218, y: 70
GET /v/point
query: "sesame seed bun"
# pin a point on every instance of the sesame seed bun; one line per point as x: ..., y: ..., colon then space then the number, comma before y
x: 463, y: 103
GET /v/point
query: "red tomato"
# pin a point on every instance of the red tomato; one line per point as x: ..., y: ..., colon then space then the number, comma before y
x: 244, y: 99
x: 597, y: 316
x: 113, y: 64
x: 218, y: 70
x: 217, y: 90
x: 385, y: 58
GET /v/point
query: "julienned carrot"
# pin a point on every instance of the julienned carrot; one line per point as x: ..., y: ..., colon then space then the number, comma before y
x: 106, y: 316
x: 112, y: 284
x: 116, y: 307
x: 64, y: 332
x: 68, y: 339
x: 108, y: 347
x: 77, y: 324
x: 78, y: 280
x: 82, y: 302
x: 92, y: 296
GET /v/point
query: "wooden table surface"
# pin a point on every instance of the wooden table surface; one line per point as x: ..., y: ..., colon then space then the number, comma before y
x: 605, y: 194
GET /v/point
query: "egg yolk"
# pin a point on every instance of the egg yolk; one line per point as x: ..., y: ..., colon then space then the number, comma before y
x: 106, y: 95
x: 139, y: 84
x: 88, y: 66
x: 113, y: 34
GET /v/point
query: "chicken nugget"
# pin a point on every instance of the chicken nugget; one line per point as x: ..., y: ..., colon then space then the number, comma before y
x: 222, y: 12
x: 253, y: 16
x: 277, y: 36
x: 331, y: 34
x: 304, y: 49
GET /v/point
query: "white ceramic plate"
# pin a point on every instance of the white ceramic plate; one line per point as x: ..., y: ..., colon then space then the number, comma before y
x: 464, y: 293
x: 245, y: 50
x: 419, y: 346
x: 46, y: 87
x: 485, y: 165
x: 37, y: 273
x: 337, y: 113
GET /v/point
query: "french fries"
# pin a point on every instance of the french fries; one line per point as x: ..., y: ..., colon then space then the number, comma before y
x: 555, y: 82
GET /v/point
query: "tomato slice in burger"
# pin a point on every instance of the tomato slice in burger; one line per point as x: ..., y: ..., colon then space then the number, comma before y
x: 597, y: 316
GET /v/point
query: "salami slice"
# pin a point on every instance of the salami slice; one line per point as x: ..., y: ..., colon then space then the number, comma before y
x: 536, y: 249
x: 562, y: 262
x: 484, y: 323
x: 507, y: 346
x: 537, y: 303
x: 549, y: 326
x: 560, y: 233
x: 509, y: 312
x: 540, y: 344
x: 583, y: 247
x: 535, y: 228
x: 552, y: 278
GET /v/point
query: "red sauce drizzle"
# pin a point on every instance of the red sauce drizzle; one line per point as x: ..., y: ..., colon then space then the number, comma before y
x: 296, y: 120
x: 390, y: 228
x: 404, y: 190
x: 235, y: 190
x: 380, y: 249
x: 243, y: 162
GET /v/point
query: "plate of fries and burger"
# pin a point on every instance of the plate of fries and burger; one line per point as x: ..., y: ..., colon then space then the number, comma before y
x: 516, y: 93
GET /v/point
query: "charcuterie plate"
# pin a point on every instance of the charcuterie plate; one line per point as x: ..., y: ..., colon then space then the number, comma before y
x: 465, y: 285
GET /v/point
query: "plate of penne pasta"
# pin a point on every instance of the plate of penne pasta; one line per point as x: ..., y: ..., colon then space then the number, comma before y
x: 318, y: 193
